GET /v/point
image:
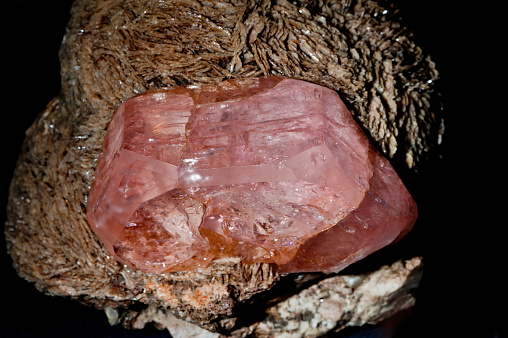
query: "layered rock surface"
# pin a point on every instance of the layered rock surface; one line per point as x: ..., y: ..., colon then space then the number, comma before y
x: 269, y: 170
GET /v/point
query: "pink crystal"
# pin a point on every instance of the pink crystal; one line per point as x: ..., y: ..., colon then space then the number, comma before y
x: 265, y: 169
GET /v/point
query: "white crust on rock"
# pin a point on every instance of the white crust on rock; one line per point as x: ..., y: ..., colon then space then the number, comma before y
x: 330, y: 305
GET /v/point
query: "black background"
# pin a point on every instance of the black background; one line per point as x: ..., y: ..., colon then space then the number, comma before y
x: 461, y: 198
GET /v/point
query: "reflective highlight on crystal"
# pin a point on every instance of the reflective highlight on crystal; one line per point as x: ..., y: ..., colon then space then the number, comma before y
x: 266, y: 169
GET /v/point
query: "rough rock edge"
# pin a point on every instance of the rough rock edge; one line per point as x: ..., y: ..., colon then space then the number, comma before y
x: 113, y: 50
x: 327, y: 306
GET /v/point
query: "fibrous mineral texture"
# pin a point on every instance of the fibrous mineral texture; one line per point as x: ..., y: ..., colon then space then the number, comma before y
x: 114, y: 50
x: 269, y: 170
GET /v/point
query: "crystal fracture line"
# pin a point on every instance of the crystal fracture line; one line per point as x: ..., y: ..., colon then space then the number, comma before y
x: 269, y: 169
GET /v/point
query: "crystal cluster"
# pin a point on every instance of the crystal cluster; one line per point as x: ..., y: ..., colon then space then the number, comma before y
x: 266, y: 169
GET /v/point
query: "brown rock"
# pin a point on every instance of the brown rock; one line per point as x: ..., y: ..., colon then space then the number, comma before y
x: 114, y: 50
x: 327, y: 306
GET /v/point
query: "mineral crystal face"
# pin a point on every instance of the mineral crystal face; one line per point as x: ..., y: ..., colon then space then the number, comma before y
x: 266, y: 169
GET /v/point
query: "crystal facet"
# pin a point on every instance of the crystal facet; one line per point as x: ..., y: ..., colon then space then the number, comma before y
x: 266, y: 169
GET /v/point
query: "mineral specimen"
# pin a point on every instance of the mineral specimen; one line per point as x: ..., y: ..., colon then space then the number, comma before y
x: 267, y: 169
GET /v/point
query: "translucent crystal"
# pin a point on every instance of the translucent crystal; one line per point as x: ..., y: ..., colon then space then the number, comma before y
x: 266, y: 169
